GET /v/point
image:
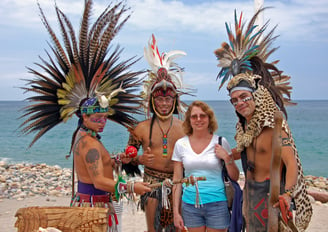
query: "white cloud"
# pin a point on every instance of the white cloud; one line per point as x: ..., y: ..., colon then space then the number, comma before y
x: 196, y: 27
x: 298, y: 17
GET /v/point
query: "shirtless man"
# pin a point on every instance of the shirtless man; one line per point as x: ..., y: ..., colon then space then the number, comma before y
x: 258, y: 90
x: 257, y: 158
x: 93, y: 164
x: 82, y: 76
x: 158, y: 135
x: 157, y: 166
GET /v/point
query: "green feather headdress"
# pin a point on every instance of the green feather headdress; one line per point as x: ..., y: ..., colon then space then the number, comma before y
x: 247, y: 52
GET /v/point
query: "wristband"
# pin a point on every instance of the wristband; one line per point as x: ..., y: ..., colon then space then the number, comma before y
x: 130, y: 187
x: 230, y: 161
x: 288, y: 193
x: 120, y: 187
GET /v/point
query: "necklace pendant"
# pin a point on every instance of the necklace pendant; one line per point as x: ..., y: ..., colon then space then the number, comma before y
x: 165, y: 137
x: 164, y: 145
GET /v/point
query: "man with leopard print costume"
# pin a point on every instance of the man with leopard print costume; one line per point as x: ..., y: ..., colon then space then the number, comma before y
x: 256, y: 91
x: 158, y: 133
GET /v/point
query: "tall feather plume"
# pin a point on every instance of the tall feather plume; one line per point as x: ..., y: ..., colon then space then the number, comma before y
x: 156, y: 61
x: 248, y: 51
x: 81, y: 68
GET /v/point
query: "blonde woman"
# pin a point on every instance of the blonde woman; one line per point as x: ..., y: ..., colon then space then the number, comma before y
x: 204, y: 206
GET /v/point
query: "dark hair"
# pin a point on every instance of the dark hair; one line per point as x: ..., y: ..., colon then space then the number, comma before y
x: 263, y: 69
x: 212, y: 126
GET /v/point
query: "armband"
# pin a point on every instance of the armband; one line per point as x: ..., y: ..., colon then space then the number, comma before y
x: 130, y: 187
x: 290, y: 191
x: 230, y: 160
x: 286, y: 142
x: 120, y: 188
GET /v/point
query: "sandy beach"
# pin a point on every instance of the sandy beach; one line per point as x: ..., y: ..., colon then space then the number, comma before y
x: 132, y: 221
x: 25, y: 185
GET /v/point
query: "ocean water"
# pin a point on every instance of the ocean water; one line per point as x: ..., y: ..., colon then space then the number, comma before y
x: 307, y: 120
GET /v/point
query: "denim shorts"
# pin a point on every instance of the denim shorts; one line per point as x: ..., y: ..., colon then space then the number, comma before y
x: 212, y: 215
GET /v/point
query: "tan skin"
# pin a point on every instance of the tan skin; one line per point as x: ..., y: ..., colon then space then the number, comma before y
x: 153, y: 157
x: 199, y: 140
x: 92, y: 161
x: 263, y: 147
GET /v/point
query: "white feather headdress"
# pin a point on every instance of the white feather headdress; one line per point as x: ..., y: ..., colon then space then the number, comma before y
x: 164, y: 74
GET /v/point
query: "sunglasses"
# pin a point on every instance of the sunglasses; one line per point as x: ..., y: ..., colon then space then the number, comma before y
x: 196, y: 116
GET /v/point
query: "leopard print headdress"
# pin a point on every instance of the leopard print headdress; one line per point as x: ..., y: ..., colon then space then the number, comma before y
x: 247, y: 53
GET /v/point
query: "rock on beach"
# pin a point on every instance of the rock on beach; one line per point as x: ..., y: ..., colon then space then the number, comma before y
x: 24, y: 185
x: 23, y: 180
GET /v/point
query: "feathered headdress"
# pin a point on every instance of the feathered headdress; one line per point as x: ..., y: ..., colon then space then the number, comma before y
x: 81, y: 69
x: 247, y: 52
x: 164, y: 77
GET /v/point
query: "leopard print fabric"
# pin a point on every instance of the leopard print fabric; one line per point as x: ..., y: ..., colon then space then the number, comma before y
x: 164, y: 220
x: 134, y: 141
x: 264, y: 117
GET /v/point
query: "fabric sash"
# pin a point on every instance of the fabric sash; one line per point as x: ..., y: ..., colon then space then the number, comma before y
x: 89, y: 189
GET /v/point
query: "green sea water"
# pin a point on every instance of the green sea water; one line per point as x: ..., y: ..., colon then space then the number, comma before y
x: 307, y: 120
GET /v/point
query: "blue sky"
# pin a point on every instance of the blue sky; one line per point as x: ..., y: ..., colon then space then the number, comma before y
x: 197, y: 27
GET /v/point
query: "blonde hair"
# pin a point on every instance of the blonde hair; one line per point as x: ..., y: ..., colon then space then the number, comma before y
x: 213, y: 124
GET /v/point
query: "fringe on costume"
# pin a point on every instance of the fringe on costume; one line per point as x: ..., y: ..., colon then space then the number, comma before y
x: 163, y: 216
x: 100, y: 201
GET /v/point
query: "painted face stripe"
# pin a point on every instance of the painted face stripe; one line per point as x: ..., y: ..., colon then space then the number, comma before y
x: 98, y: 120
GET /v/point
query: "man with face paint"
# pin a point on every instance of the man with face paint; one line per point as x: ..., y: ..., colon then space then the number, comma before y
x: 93, y: 163
x: 257, y: 90
x: 157, y: 135
x: 84, y: 77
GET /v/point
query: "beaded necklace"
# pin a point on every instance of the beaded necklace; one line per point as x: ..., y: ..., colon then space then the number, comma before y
x: 90, y: 132
x: 164, y: 136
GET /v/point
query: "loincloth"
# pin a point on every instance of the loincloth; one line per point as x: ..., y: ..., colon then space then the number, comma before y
x: 89, y: 199
x: 256, y: 209
x: 163, y: 217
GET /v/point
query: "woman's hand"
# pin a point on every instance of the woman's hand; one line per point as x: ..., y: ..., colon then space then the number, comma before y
x: 178, y: 221
x: 221, y: 153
